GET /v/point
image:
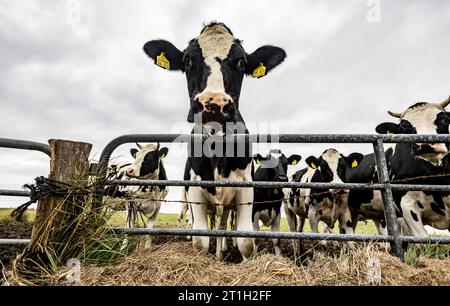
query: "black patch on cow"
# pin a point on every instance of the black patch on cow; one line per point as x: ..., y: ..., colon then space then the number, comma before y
x: 414, y: 216
x: 342, y: 230
x: 349, y: 224
x: 442, y: 122
x: 419, y: 204
x: 435, y: 207
x: 320, y: 212
x: 149, y: 163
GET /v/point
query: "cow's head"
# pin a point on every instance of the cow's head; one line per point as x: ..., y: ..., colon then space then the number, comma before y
x: 214, y: 63
x: 147, y: 161
x: 275, y: 164
x: 422, y: 118
x: 332, y: 165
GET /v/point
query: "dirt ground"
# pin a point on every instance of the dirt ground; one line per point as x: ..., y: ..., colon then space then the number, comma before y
x: 9, y: 230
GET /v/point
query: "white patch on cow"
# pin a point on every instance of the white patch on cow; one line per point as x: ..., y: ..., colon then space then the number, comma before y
x: 215, y: 42
x: 423, y: 118
x: 332, y: 157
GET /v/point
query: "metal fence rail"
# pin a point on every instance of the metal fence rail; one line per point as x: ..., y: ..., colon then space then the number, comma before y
x: 24, y: 145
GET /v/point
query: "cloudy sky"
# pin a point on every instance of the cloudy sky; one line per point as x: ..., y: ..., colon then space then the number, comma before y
x: 76, y: 70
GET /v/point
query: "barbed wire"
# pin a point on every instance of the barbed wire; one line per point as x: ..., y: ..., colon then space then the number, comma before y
x: 45, y: 187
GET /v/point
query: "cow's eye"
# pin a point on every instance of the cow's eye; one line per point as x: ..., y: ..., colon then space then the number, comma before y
x: 241, y: 64
x: 187, y: 63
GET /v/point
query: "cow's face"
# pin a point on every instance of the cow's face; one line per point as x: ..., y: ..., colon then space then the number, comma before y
x: 332, y: 165
x: 214, y: 63
x: 275, y: 165
x: 422, y: 118
x: 146, y: 161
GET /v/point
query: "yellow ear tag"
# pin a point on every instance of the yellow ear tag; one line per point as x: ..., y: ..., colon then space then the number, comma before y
x: 388, y: 132
x: 294, y: 162
x: 162, y: 61
x: 313, y: 165
x: 260, y: 71
x: 354, y: 163
x: 258, y: 162
x: 162, y: 157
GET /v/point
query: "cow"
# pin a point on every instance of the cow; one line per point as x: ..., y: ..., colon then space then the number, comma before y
x: 147, y: 165
x: 421, y: 163
x: 329, y: 205
x: 273, y: 167
x: 215, y: 63
x: 295, y: 207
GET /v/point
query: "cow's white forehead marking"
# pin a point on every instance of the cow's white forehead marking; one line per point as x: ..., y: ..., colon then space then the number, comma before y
x: 215, y: 42
x: 422, y: 117
x: 331, y: 156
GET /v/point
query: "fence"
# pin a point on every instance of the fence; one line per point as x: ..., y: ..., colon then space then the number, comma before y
x: 384, y: 184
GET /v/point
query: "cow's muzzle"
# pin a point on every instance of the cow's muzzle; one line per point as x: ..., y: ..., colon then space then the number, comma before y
x: 214, y: 107
x: 430, y: 149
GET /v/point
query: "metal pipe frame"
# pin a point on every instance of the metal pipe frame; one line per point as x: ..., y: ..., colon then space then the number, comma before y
x: 24, y: 145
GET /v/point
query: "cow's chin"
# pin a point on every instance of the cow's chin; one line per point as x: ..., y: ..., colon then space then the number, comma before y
x: 433, y: 158
x: 150, y: 176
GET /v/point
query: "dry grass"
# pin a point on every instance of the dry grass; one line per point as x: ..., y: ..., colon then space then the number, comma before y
x: 176, y: 263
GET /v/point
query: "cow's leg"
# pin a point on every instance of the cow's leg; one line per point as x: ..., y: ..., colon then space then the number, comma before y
x: 355, y: 219
x: 313, y: 218
x: 275, y: 227
x: 346, y: 226
x: 412, y: 214
x: 233, y: 225
x: 220, y: 226
x: 151, y: 221
x: 291, y: 219
x: 381, y: 227
x: 182, y: 215
x: 223, y: 226
x: 244, y: 221
x: 200, y: 219
x: 131, y: 212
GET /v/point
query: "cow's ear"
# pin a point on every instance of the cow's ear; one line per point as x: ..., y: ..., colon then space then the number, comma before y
x: 313, y: 162
x: 164, y: 54
x: 388, y: 128
x: 133, y: 152
x: 294, y: 159
x: 264, y: 59
x: 163, y: 152
x: 258, y: 159
x: 354, y: 159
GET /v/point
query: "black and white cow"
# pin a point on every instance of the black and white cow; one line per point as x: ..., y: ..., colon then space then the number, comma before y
x: 147, y: 165
x: 215, y: 63
x: 273, y: 167
x: 326, y: 205
x: 419, y: 160
x: 366, y: 204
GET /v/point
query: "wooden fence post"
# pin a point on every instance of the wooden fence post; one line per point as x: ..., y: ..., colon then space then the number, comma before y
x: 69, y: 164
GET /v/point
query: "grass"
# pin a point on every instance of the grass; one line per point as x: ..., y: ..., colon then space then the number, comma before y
x: 170, y: 220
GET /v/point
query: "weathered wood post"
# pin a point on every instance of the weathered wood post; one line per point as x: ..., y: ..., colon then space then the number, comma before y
x: 69, y: 165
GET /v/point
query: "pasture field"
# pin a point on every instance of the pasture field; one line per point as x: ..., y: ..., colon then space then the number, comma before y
x: 170, y: 220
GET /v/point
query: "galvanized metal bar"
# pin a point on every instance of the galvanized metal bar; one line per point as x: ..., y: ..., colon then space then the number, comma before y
x: 272, y: 138
x: 250, y: 234
x: 262, y: 184
x: 282, y: 235
x: 388, y: 200
x: 24, y: 145
x: 14, y: 193
x: 13, y: 242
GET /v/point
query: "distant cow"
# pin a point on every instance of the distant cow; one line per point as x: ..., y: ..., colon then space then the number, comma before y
x: 421, y: 163
x: 147, y: 165
x: 215, y: 63
x: 273, y: 167
x: 326, y: 205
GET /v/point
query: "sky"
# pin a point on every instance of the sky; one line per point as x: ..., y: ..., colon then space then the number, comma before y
x: 76, y: 70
